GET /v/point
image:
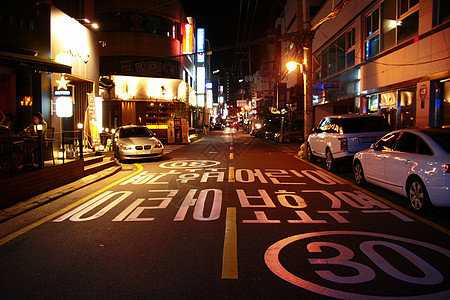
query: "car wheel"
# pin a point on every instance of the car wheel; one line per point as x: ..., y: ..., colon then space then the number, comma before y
x: 417, y: 195
x: 330, y: 162
x: 358, y: 173
x: 309, y: 156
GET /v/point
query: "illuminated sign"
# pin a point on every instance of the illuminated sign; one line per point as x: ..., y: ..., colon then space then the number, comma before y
x: 201, y: 45
x: 26, y: 101
x: 62, y: 93
x: 64, y: 107
x: 188, y: 38
x: 201, y: 80
x: 209, y: 98
x: 201, y: 100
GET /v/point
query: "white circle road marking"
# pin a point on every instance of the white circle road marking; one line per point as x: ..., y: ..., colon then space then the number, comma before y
x: 189, y: 164
x: 272, y: 260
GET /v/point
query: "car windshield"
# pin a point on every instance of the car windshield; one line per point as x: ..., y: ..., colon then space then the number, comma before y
x: 135, y: 132
x: 442, y: 137
x: 364, y: 124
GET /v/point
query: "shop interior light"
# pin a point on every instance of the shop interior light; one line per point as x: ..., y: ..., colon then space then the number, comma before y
x: 80, y: 125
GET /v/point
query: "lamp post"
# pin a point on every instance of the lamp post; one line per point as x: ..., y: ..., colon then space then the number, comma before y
x: 305, y: 69
x: 80, y: 139
x: 39, y: 128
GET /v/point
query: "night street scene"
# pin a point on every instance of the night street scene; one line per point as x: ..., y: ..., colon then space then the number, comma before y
x: 257, y: 149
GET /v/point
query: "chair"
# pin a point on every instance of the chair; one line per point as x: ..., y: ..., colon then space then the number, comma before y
x: 48, y: 143
x: 9, y: 151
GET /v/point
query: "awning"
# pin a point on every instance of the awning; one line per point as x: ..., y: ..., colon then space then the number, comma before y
x: 32, y: 62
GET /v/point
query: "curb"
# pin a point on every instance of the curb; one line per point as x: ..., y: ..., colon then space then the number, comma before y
x: 39, y: 200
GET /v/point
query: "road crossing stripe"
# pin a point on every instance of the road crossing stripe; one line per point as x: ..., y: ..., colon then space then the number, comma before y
x: 229, y: 260
x: 66, y: 209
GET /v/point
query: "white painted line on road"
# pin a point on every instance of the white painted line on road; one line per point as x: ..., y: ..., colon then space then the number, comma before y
x: 67, y: 208
x: 229, y: 260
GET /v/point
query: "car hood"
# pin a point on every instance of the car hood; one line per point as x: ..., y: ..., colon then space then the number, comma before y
x: 139, y: 141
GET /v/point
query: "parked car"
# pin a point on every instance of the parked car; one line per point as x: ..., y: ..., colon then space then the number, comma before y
x: 271, y: 128
x: 292, y: 132
x: 136, y: 142
x: 414, y: 163
x: 217, y: 126
x: 342, y: 136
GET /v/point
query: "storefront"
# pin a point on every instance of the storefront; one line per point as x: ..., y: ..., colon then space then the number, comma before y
x: 73, y: 96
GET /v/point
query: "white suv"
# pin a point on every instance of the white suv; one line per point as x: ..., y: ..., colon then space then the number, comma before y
x: 342, y: 136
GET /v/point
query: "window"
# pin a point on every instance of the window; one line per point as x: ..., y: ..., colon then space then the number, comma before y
x: 441, y: 12
x: 387, y: 142
x: 372, y: 43
x: 405, y: 5
x: 408, y: 27
x: 407, y: 143
x: 332, y: 59
x: 388, y: 24
x: 340, y: 48
x: 350, y: 51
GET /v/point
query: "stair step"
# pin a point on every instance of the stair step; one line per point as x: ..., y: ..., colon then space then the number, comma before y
x: 97, y: 167
x: 93, y: 159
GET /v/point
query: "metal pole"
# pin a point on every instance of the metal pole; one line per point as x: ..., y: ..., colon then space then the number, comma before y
x: 80, y: 141
x: 307, y: 75
x: 40, y: 150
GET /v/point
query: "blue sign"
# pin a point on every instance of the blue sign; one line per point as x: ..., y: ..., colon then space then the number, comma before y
x: 201, y: 45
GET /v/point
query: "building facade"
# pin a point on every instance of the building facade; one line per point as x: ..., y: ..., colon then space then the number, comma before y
x: 389, y: 57
x: 149, y: 74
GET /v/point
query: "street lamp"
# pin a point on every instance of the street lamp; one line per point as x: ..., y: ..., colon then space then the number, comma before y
x: 305, y: 68
x: 292, y: 66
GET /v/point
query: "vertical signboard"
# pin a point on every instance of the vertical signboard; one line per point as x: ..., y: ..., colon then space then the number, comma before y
x: 201, y: 45
x: 188, y: 38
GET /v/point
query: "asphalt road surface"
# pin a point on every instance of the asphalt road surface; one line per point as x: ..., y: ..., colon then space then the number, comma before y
x: 226, y: 217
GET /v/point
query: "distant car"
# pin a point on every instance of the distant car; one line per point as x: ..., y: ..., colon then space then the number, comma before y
x: 342, y: 136
x: 217, y: 126
x: 414, y: 163
x: 136, y: 142
x: 293, y: 132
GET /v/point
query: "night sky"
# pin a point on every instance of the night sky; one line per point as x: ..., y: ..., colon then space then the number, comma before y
x: 221, y: 23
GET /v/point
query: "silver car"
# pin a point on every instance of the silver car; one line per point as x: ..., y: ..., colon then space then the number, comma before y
x: 136, y: 142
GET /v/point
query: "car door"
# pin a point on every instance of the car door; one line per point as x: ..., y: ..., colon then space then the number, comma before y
x: 316, y: 140
x: 401, y: 160
x: 375, y: 159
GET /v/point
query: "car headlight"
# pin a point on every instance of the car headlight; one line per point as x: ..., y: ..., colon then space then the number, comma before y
x: 158, y: 145
x: 126, y: 147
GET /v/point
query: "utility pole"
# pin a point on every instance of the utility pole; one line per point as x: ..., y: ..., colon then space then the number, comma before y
x: 307, y: 75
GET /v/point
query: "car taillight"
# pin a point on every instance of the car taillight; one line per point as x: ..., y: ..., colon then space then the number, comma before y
x: 344, y: 143
x: 447, y: 168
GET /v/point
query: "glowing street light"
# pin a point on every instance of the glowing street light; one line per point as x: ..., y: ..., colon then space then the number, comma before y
x: 292, y: 66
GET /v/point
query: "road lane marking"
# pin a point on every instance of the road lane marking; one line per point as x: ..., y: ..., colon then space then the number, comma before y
x: 231, y: 174
x: 229, y: 261
x: 66, y: 209
x: 231, y: 155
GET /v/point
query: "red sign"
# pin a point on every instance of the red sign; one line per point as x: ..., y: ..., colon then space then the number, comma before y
x: 188, y: 38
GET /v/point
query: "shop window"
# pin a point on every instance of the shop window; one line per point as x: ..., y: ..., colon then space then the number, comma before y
x: 441, y: 12
x: 388, y: 107
x: 407, y: 109
x: 446, y: 102
x: 372, y: 104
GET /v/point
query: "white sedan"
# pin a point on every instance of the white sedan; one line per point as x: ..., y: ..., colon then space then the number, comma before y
x: 411, y: 162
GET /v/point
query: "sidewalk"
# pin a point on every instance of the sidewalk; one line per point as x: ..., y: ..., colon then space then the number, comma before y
x: 33, y: 202
x: 55, y: 193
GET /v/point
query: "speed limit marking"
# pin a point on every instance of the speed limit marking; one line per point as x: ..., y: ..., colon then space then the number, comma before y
x: 363, y: 272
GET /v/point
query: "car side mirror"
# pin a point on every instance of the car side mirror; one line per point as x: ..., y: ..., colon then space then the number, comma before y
x: 372, y: 146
